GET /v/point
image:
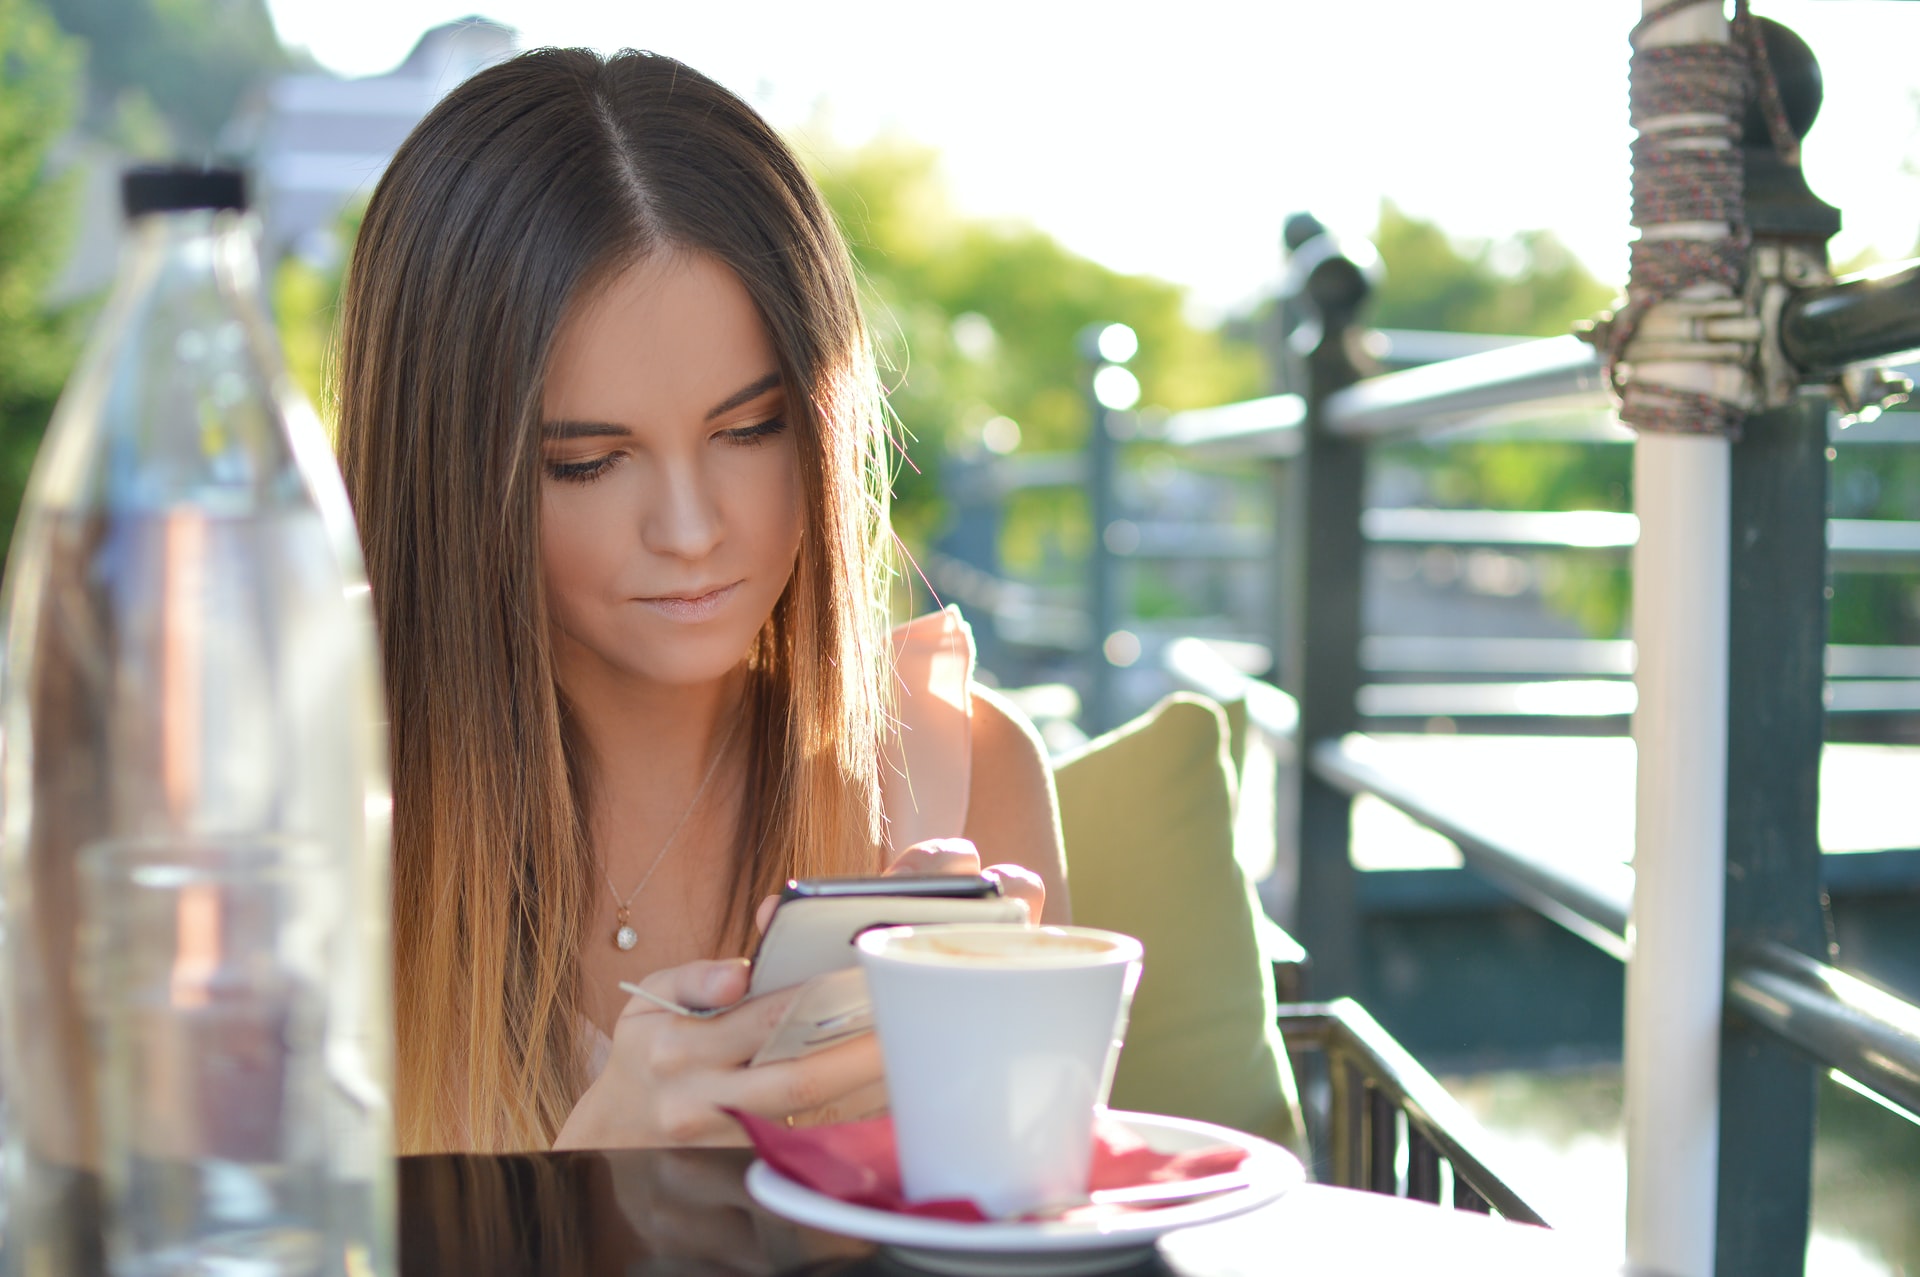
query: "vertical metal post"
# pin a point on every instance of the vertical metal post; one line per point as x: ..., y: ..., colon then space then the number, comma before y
x: 1423, y: 1166
x: 1325, y: 290
x: 1347, y: 1118
x: 1383, y: 1142
x: 1729, y: 617
x: 1775, y: 729
x: 1103, y: 585
x: 1111, y: 390
x: 976, y: 511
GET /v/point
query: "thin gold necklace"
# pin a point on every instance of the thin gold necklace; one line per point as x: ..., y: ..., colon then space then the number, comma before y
x: 624, y: 936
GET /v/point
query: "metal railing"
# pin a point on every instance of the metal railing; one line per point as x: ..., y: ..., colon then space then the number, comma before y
x: 1775, y: 983
x: 1382, y: 1111
x: 1484, y: 681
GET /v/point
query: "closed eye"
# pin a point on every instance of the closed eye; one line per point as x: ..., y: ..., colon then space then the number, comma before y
x: 582, y: 471
x: 756, y: 433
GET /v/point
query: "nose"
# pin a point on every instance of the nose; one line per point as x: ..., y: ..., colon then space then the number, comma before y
x: 683, y: 517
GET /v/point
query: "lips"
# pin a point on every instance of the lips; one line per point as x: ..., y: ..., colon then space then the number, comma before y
x: 691, y: 605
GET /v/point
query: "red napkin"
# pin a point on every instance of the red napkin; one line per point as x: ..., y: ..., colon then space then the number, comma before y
x: 855, y: 1162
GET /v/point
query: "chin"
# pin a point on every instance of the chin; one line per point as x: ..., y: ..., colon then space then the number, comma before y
x: 688, y: 660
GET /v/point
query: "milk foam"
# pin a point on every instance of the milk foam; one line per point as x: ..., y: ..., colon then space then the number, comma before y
x: 1000, y: 946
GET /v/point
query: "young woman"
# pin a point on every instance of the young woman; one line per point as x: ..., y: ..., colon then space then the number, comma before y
x: 611, y: 424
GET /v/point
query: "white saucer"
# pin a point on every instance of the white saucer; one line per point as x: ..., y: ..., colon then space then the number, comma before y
x: 1053, y: 1248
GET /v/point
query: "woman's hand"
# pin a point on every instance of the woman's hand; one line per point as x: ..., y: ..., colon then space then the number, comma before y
x: 668, y: 1076
x: 949, y: 856
x: 959, y: 856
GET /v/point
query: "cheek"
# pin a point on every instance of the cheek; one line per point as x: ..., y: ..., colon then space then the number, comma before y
x: 768, y: 501
x: 569, y: 566
x: 793, y: 510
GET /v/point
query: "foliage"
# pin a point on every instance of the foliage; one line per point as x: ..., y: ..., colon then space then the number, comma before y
x: 977, y: 320
x: 39, y: 78
x: 186, y: 63
x: 306, y: 310
x: 1875, y: 481
x: 1530, y: 285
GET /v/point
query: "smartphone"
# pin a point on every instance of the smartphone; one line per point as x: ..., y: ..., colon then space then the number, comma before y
x: 817, y: 920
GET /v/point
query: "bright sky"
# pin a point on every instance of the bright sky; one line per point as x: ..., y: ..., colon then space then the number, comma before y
x: 1172, y: 138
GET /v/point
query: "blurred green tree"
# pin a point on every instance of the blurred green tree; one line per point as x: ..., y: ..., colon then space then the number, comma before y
x: 977, y: 320
x: 1530, y: 285
x: 305, y: 296
x: 39, y: 87
x: 185, y: 64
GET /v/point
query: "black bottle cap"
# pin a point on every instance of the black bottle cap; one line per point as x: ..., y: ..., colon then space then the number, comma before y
x: 172, y: 188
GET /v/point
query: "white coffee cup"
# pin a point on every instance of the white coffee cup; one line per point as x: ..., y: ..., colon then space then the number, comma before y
x: 1000, y: 1043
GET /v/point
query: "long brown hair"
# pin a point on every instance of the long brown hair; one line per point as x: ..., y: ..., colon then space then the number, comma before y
x: 526, y: 187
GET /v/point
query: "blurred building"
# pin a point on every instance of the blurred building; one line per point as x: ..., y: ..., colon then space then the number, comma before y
x: 313, y: 143
x: 318, y: 142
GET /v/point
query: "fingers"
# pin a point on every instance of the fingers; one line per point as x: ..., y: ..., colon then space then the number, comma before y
x: 1020, y: 883
x: 763, y: 915
x: 816, y: 1081
x: 937, y: 856
x: 672, y: 1045
x: 864, y: 1102
x: 693, y: 984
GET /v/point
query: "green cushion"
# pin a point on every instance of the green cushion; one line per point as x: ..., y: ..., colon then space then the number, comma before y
x: 1147, y: 813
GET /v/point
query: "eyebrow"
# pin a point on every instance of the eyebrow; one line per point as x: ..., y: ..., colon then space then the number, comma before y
x: 607, y: 429
x: 583, y: 430
x: 746, y: 394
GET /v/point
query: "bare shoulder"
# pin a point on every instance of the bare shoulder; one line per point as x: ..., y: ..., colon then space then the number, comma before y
x: 1012, y: 814
x: 1004, y: 735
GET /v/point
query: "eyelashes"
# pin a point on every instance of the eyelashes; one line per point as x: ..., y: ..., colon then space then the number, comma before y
x: 581, y: 471
x: 587, y: 471
x: 755, y: 434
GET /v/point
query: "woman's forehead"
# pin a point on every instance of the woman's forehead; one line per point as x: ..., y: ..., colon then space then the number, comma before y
x: 674, y: 338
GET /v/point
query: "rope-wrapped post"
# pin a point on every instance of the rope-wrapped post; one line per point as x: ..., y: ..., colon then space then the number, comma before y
x: 1686, y: 395
x: 1694, y: 356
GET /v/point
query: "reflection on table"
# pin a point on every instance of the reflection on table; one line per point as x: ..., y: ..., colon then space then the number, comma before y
x: 627, y: 1214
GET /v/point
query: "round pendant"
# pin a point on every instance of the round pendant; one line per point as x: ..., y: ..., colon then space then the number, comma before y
x: 626, y: 938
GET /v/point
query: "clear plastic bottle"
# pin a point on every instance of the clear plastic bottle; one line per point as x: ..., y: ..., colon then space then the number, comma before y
x: 194, y: 801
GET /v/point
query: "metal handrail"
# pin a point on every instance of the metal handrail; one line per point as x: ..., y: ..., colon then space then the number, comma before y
x: 1868, y: 1034
x: 1592, y: 901
x: 1840, y: 1020
x: 1587, y: 658
x: 1554, y: 373
x: 1854, y: 320
x: 1844, y: 1022
x: 1266, y: 428
x: 1371, y: 1075
x: 1858, y: 542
